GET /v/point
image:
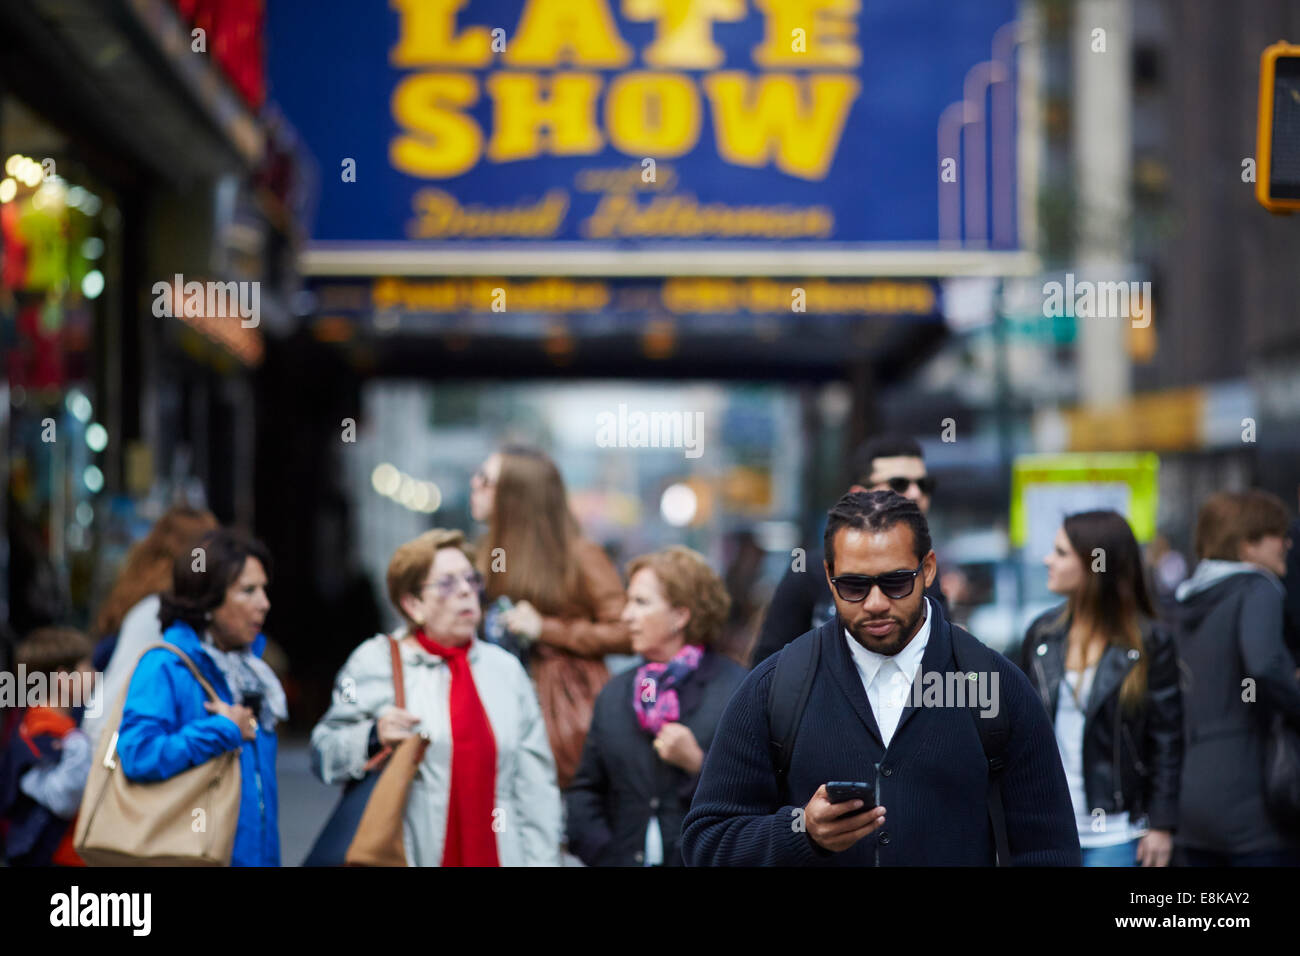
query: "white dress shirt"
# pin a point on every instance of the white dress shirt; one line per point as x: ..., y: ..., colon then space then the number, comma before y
x: 888, y: 680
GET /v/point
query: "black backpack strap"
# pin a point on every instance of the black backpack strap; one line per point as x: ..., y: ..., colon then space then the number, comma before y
x: 787, y: 695
x: 993, y: 732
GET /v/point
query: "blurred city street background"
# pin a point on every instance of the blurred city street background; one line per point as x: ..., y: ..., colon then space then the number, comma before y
x: 1023, y: 232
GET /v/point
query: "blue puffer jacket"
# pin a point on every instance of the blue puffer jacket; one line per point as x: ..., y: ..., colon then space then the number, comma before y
x: 165, y: 730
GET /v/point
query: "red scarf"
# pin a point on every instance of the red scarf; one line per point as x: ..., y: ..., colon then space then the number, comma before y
x: 470, y: 839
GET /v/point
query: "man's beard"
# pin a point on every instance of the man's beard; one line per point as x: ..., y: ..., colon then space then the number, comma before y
x: 898, y: 642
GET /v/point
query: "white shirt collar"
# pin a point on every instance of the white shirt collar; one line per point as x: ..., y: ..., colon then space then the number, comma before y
x: 908, y: 659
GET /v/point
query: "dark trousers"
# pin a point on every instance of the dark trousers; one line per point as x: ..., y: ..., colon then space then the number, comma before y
x: 1189, y: 857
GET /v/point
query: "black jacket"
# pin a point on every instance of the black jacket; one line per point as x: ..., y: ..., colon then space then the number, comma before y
x: 932, y: 778
x: 1229, y: 632
x: 1132, y: 761
x: 621, y: 781
x: 802, y: 600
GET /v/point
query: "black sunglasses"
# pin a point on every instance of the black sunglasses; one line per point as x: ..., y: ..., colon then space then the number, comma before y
x: 899, y: 485
x: 854, y: 588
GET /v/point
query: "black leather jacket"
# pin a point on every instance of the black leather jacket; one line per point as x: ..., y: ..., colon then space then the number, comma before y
x: 1131, y: 762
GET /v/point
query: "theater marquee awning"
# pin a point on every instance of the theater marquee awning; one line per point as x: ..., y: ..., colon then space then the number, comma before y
x: 717, y: 326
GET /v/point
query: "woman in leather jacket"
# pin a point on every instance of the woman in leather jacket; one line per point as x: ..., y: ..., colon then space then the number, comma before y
x: 1108, y: 677
x: 566, y: 595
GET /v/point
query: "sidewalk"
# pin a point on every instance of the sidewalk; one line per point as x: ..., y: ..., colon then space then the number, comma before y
x: 305, y: 802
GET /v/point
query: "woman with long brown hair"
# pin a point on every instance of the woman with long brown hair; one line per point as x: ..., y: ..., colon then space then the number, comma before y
x: 565, y: 594
x: 1108, y: 676
x: 128, y: 618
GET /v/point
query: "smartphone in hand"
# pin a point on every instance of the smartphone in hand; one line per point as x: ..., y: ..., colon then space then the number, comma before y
x: 841, y: 791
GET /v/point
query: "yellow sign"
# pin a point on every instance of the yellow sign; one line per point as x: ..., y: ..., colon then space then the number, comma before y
x: 1045, y: 488
x: 1170, y: 420
x: 680, y: 296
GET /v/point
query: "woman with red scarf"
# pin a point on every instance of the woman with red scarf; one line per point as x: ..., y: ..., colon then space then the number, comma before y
x: 485, y: 793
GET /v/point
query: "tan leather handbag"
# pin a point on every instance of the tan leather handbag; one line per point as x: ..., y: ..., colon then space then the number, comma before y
x: 187, y: 820
x: 378, y: 840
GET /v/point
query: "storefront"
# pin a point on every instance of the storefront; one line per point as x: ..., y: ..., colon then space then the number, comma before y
x: 140, y: 159
x: 61, y: 284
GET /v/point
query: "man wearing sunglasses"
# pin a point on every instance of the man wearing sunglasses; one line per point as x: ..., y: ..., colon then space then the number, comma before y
x: 803, y: 599
x: 916, y: 779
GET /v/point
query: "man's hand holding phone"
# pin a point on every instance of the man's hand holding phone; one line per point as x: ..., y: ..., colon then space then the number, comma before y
x: 837, y: 826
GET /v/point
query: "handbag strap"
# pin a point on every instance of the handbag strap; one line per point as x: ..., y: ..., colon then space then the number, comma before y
x: 399, y: 684
x: 399, y: 699
x: 108, y: 736
x: 203, y: 681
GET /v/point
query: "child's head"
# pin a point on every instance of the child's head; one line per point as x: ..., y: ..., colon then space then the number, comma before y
x: 58, y: 650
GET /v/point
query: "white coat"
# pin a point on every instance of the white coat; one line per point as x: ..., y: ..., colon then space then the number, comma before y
x: 527, y: 814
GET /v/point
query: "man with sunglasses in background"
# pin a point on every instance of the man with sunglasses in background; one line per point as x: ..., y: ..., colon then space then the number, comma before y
x: 865, y: 770
x: 802, y: 599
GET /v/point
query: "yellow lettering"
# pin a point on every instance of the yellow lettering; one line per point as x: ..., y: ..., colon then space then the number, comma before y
x: 751, y: 126
x: 580, y: 32
x: 619, y: 214
x: 830, y: 26
x: 427, y: 36
x: 442, y: 141
x: 652, y: 114
x: 568, y: 115
x: 684, y: 30
x: 440, y: 215
x: 460, y: 295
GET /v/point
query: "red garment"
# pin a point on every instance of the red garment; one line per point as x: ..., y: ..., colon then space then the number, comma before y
x: 470, y: 839
x: 43, y: 721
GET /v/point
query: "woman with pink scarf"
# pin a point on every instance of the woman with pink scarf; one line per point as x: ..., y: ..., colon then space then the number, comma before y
x: 653, y: 724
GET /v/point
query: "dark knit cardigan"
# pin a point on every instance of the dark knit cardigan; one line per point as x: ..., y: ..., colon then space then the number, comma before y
x: 932, y: 779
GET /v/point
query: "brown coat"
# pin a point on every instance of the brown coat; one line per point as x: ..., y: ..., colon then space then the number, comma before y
x: 568, y: 659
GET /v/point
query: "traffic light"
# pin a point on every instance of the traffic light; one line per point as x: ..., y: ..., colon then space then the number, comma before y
x: 1277, y: 147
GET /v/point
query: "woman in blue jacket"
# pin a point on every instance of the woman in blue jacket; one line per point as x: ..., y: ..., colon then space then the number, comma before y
x: 214, y: 614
